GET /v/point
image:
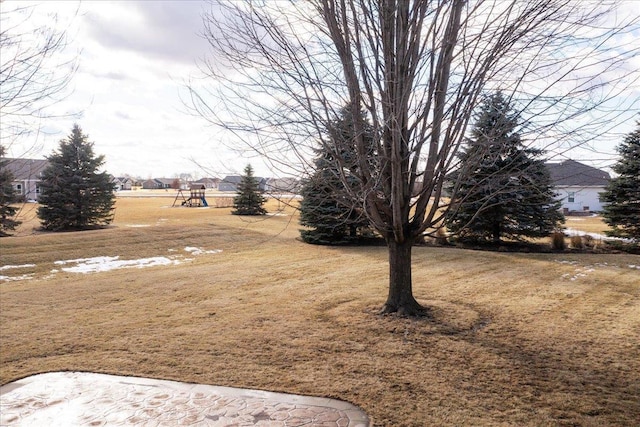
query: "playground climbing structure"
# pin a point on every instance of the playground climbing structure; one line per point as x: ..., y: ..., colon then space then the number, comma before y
x: 196, y: 198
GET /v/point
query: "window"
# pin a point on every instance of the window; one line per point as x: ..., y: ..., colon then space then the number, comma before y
x: 572, y: 197
x: 19, y: 188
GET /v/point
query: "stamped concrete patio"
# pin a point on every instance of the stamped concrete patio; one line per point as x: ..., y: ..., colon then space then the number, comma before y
x: 90, y: 399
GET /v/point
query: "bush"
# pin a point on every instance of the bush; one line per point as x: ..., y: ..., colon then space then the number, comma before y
x: 557, y: 241
x: 441, y: 237
x: 576, y: 242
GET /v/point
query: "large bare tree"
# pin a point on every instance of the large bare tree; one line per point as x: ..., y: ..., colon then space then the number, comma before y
x: 34, y: 72
x: 281, y: 71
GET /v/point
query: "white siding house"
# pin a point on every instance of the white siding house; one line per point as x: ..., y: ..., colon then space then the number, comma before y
x: 26, y: 175
x: 578, y: 185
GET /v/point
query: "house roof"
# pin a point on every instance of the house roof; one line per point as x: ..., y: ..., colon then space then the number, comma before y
x: 168, y: 181
x: 207, y: 180
x: 572, y: 173
x: 23, y: 169
x: 232, y: 179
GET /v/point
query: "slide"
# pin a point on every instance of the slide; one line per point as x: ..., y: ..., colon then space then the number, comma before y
x: 204, y: 202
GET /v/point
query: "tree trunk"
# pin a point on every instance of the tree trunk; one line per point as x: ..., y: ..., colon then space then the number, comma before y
x: 400, y: 299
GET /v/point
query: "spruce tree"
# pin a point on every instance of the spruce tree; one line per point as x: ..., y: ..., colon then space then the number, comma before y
x: 622, y: 211
x: 249, y: 198
x: 8, y: 196
x: 329, y: 209
x: 74, y: 195
x: 502, y: 189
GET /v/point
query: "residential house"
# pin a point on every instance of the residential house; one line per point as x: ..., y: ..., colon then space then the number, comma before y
x: 26, y: 176
x: 230, y: 183
x: 160, y: 183
x: 122, y: 183
x: 209, y: 183
x: 283, y: 185
x: 578, y: 185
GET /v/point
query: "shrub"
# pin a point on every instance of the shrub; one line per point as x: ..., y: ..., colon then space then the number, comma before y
x: 588, y: 241
x: 441, y: 237
x: 576, y: 242
x: 557, y: 241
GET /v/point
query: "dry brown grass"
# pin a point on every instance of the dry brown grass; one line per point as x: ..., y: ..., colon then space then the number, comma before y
x: 515, y: 339
x: 589, y: 224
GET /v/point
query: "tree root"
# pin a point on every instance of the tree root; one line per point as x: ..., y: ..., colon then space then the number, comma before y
x: 406, y: 310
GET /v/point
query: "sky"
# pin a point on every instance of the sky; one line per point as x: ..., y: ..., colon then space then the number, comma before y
x: 134, y: 58
x: 128, y: 93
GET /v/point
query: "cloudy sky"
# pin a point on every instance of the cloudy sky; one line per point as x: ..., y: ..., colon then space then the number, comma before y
x: 134, y: 58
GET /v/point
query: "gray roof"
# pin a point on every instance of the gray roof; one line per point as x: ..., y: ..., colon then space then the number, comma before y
x: 235, y: 179
x: 232, y: 179
x: 207, y: 180
x: 572, y: 173
x: 25, y: 169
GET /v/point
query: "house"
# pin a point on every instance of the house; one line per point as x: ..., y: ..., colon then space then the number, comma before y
x: 26, y: 175
x: 230, y: 183
x: 578, y: 185
x: 210, y: 183
x: 283, y: 185
x: 122, y: 183
x: 161, y: 183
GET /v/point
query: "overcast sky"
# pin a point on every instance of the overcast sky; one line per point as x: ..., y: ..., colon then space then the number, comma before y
x: 133, y: 60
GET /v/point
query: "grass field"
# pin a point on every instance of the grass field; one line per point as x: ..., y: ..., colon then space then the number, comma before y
x: 515, y: 339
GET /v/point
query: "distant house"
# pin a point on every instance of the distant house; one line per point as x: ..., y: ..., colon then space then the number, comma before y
x: 210, y: 183
x: 283, y: 185
x: 578, y: 185
x: 160, y: 183
x: 122, y: 183
x: 26, y: 176
x: 230, y: 183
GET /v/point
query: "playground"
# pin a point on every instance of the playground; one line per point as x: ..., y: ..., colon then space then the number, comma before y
x: 195, y: 199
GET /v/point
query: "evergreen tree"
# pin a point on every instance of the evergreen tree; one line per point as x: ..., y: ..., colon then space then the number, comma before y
x: 502, y: 188
x: 328, y: 208
x: 74, y: 195
x: 622, y: 196
x: 249, y: 199
x: 8, y: 196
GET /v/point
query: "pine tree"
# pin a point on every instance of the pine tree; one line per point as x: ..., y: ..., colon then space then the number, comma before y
x: 328, y: 208
x: 249, y: 199
x: 502, y: 189
x: 74, y: 195
x: 8, y: 196
x: 622, y: 211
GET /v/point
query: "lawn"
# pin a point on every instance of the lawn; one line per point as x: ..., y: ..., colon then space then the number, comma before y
x: 514, y: 338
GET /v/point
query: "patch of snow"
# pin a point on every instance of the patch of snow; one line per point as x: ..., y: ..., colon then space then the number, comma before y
x: 573, y: 232
x: 138, y: 225
x: 635, y: 266
x: 199, y: 251
x: 9, y: 267
x: 16, y: 278
x: 105, y: 263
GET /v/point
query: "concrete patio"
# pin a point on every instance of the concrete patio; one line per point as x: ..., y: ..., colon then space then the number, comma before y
x: 91, y: 399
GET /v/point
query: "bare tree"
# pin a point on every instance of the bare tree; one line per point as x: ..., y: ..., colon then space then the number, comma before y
x: 281, y: 71
x: 34, y: 74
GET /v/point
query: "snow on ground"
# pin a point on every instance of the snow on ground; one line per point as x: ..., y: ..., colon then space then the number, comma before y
x: 15, y: 278
x: 9, y: 267
x: 200, y: 251
x: 574, y: 232
x: 584, y: 270
x: 108, y: 263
